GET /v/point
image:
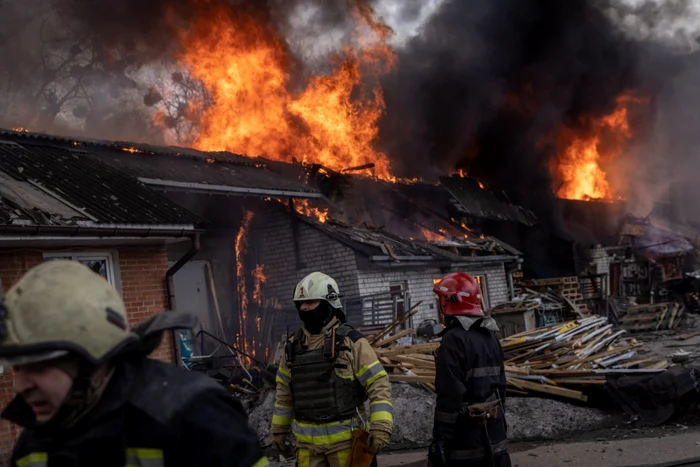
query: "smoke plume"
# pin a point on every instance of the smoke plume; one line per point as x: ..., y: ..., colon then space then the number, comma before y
x: 482, y: 85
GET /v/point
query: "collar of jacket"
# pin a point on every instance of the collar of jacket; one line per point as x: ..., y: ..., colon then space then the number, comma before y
x: 333, y: 323
x: 485, y: 322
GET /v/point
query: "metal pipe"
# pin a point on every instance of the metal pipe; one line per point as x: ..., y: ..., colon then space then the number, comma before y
x: 169, y: 286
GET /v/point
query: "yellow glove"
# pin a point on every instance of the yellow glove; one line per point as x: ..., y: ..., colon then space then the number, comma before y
x: 378, y: 441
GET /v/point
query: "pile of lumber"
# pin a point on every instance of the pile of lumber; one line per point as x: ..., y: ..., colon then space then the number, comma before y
x: 559, y: 360
x: 654, y: 317
x: 567, y: 289
x: 556, y: 359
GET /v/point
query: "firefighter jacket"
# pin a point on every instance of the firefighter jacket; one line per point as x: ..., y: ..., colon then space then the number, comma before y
x: 151, y: 414
x: 470, y: 370
x: 357, y: 365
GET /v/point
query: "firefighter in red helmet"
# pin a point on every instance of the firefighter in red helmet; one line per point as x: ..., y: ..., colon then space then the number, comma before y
x: 469, y: 427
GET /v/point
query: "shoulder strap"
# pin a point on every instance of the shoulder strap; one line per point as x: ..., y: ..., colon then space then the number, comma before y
x: 345, y: 330
x: 292, y: 344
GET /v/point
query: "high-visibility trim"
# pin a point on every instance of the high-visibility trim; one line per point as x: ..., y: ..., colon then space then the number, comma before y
x: 368, y: 374
x: 303, y: 457
x: 282, y: 415
x: 381, y: 410
x: 35, y: 459
x: 143, y: 457
x: 484, y: 371
x: 283, y: 376
x: 327, y: 433
x: 343, y: 457
x: 262, y: 462
x: 446, y: 417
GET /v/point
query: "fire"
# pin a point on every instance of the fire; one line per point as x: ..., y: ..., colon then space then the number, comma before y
x: 20, y: 130
x: 302, y: 207
x: 244, y: 65
x: 241, y: 248
x: 578, y: 170
x: 260, y: 279
x: 430, y: 236
x: 131, y: 150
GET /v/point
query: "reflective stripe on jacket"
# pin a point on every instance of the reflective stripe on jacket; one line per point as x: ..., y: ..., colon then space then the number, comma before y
x: 361, y: 363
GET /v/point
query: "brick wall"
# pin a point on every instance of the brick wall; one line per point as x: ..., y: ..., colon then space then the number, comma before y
x: 420, y: 286
x: 317, y: 252
x: 142, y: 275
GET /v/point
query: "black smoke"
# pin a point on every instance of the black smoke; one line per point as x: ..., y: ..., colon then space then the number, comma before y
x: 488, y: 80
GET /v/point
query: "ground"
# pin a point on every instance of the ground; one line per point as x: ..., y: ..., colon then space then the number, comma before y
x: 550, y: 433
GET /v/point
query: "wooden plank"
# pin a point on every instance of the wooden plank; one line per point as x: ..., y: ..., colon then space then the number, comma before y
x: 552, y: 390
x: 411, y: 379
x: 582, y: 381
x: 414, y: 361
x: 395, y: 337
x: 690, y: 335
x: 396, y: 323
x: 408, y: 349
x: 212, y: 286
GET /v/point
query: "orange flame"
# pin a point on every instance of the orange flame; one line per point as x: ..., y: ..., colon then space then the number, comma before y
x: 430, y: 236
x: 577, y: 170
x: 244, y: 65
x: 131, y: 150
x: 260, y: 279
x: 302, y: 207
x: 241, y: 248
x: 20, y: 130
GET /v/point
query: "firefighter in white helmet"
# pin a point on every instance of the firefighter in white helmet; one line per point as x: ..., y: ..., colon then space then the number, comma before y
x: 325, y: 376
x: 88, y: 395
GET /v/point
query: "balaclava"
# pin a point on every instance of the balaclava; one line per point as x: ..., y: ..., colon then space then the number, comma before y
x: 315, y: 319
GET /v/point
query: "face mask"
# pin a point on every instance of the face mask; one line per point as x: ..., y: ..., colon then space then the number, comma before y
x: 315, y: 319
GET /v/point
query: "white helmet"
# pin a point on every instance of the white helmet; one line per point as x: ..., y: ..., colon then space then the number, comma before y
x: 318, y: 286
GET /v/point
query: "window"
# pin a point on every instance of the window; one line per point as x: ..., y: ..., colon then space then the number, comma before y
x: 100, y: 262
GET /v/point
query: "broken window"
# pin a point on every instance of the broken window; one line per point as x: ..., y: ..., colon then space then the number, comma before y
x: 100, y: 262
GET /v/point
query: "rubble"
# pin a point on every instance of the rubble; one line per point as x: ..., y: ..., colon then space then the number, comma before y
x: 558, y: 361
x: 528, y: 418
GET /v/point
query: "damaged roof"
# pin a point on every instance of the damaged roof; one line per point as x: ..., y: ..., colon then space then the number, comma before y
x: 381, y: 245
x: 46, y: 185
x: 478, y: 202
x: 650, y: 240
x: 178, y: 168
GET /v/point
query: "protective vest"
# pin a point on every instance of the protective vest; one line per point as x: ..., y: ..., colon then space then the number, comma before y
x: 319, y: 394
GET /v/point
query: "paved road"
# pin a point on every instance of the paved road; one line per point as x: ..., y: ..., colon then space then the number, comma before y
x: 616, y: 453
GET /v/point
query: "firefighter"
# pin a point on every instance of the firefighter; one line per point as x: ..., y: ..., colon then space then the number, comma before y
x: 469, y: 425
x: 86, y: 393
x: 326, y: 374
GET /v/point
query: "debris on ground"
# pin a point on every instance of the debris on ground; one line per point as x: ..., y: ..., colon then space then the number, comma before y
x: 652, y: 317
x: 528, y: 418
x: 558, y: 360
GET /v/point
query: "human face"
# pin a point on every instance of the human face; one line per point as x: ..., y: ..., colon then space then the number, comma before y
x: 44, y: 387
x: 309, y: 305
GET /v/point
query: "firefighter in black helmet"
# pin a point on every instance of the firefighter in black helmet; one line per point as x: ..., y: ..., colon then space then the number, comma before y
x: 87, y: 394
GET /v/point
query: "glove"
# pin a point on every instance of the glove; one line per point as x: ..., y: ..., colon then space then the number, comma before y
x: 378, y: 441
x: 280, y: 442
x: 436, y: 453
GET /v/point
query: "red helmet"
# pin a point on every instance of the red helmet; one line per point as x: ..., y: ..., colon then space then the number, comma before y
x: 459, y: 294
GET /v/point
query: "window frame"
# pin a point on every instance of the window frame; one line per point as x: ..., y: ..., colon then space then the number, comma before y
x: 111, y: 257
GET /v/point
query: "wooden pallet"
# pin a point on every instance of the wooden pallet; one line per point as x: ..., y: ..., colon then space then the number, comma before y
x: 655, y: 317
